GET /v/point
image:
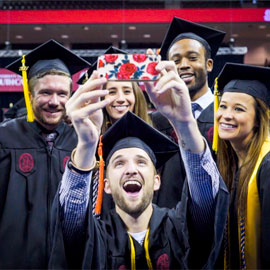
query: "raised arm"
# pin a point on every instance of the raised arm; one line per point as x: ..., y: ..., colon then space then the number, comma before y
x: 171, y: 97
x: 84, y: 110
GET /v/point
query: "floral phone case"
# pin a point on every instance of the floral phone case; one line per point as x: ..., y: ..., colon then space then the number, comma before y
x: 128, y: 67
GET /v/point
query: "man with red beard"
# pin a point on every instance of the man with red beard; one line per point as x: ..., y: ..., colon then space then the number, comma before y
x: 33, y: 156
x: 192, y: 47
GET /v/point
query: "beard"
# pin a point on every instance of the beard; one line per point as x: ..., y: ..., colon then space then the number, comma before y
x: 200, y: 81
x: 136, y: 211
x: 47, y: 122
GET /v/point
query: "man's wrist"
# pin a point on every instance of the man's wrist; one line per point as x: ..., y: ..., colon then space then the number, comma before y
x: 72, y: 166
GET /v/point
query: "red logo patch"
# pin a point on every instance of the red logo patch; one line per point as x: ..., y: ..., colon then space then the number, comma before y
x: 66, y: 158
x: 122, y: 267
x: 163, y: 262
x: 26, y: 162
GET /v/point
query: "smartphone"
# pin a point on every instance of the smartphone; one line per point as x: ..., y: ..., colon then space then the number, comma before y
x: 128, y: 67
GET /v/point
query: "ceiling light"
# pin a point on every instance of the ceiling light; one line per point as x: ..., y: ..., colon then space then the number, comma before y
x: 19, y: 36
x: 146, y: 35
x: 234, y: 35
x: 37, y: 28
x: 64, y: 36
x: 268, y: 35
x: 262, y: 26
x: 132, y: 27
x: 85, y: 28
x: 114, y: 36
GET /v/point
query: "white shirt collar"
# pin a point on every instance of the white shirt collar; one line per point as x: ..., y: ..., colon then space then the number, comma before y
x: 205, y: 100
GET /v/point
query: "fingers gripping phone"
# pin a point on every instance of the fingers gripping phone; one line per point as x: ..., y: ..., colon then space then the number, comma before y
x: 128, y: 67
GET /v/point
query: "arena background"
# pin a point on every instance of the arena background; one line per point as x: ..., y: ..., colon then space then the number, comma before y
x: 89, y: 27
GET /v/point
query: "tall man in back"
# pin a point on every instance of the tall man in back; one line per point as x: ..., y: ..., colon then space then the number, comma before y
x: 33, y: 153
x: 192, y: 47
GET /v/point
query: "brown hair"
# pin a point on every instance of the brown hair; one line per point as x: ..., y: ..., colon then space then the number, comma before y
x: 227, y: 158
x: 140, y: 108
x: 33, y: 81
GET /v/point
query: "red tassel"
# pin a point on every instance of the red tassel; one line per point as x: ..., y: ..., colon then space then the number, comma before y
x: 101, y: 178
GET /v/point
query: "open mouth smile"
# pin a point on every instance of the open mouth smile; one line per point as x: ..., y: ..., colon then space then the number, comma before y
x: 187, y: 77
x: 132, y: 186
x: 227, y: 126
x: 120, y: 108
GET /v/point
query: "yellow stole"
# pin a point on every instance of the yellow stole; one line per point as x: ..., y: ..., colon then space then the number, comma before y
x: 253, y: 218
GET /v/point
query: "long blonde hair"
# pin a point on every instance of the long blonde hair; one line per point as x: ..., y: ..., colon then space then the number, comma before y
x: 227, y: 158
x: 140, y: 108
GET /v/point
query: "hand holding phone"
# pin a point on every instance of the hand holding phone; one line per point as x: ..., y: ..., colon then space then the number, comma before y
x: 128, y: 67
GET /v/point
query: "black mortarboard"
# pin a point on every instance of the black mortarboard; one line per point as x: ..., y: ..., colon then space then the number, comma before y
x: 131, y: 131
x: 17, y: 110
x: 50, y: 55
x: 240, y: 78
x: 47, y: 56
x: 252, y: 80
x: 180, y: 29
x: 88, y: 73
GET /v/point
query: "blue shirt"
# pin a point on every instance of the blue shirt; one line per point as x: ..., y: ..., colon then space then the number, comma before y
x: 203, y: 181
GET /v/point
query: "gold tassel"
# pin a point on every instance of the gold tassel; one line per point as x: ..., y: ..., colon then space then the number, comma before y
x: 216, y: 104
x: 23, y: 69
x: 101, y: 178
x: 132, y: 254
x: 146, y: 248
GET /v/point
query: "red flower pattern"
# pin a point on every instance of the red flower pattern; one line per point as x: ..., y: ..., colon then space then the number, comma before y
x: 100, y: 64
x: 121, y: 76
x: 110, y: 58
x: 145, y: 78
x: 151, y: 68
x: 127, y: 69
x: 139, y: 57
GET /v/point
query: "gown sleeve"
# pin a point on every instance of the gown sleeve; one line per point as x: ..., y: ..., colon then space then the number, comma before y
x: 263, y: 180
x: 77, y: 239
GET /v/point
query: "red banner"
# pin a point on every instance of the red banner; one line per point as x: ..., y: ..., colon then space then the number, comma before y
x: 134, y: 15
x: 12, y: 82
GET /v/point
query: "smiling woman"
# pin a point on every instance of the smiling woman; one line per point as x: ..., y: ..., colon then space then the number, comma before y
x: 128, y: 97
x: 244, y: 162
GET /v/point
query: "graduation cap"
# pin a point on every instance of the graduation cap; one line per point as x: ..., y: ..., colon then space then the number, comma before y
x: 240, y: 78
x: 49, y: 55
x: 17, y: 110
x: 130, y: 131
x: 88, y: 73
x: 182, y: 29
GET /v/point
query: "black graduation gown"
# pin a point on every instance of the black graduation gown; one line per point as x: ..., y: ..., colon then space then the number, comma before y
x: 29, y: 178
x: 170, y: 240
x: 263, y: 184
x: 173, y: 170
x: 205, y: 123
